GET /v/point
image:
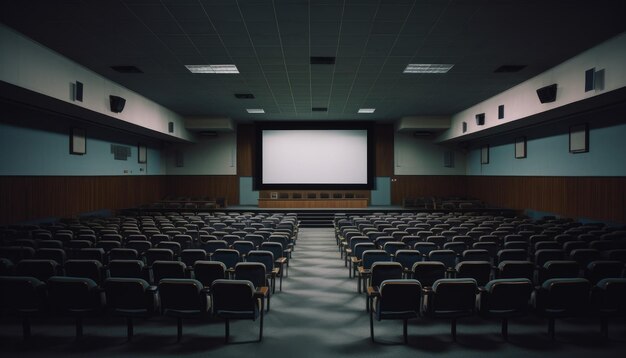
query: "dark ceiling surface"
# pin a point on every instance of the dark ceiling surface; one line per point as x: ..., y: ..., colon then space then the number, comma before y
x: 271, y: 43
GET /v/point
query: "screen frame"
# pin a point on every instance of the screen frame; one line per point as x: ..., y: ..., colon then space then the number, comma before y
x: 307, y: 125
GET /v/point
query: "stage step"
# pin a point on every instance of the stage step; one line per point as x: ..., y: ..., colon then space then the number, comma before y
x: 316, y: 219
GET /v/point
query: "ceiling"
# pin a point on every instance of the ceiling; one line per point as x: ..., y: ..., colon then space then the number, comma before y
x: 271, y: 43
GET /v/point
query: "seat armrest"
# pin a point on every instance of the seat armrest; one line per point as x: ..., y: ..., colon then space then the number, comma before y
x: 261, y: 292
x: 372, y: 291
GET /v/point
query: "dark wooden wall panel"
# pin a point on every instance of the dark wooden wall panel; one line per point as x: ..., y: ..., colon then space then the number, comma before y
x: 209, y: 186
x: 414, y: 186
x: 34, y: 197
x: 598, y: 198
x: 245, y: 150
x: 383, y: 138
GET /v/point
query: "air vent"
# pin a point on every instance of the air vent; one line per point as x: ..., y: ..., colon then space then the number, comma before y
x: 244, y: 95
x: 321, y: 60
x: 319, y: 109
x: 509, y: 68
x: 120, y: 152
x: 126, y: 69
x: 422, y: 134
x: 208, y: 133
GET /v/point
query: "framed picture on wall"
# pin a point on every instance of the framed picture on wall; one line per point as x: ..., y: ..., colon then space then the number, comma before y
x: 484, y: 154
x: 142, y: 156
x: 78, y: 143
x: 520, y: 147
x: 579, y: 138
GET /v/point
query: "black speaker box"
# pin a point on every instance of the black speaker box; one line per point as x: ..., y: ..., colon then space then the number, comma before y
x: 480, y: 119
x: 78, y: 94
x: 547, y: 94
x: 117, y: 103
x: 170, y: 127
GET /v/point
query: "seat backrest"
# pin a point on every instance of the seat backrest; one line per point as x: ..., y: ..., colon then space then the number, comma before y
x: 208, y: 271
x: 91, y: 269
x: 360, y: 248
x: 123, y: 254
x: 612, y: 296
x: 392, y: 246
x: 427, y: 272
x: 127, y: 269
x: 73, y: 293
x: 168, y: 269
x: 454, y: 294
x: 407, y: 258
x: 447, y: 257
x: 22, y: 293
x: 569, y: 295
x: 190, y: 256
x: 516, y: 269
x: 128, y: 294
x: 601, y: 269
x: 545, y: 255
x: 233, y: 296
x: 181, y: 294
x: 400, y: 296
x: 385, y: 271
x: 251, y: 271
x: 558, y: 269
x: 39, y: 268
x: 274, y: 247
x: 371, y: 256
x: 158, y: 254
x: 478, y: 270
x: 507, y: 295
x: 263, y: 256
x: 511, y: 255
x: 425, y: 247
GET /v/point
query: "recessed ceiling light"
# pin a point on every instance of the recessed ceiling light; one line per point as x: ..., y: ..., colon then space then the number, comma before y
x: 126, y: 69
x: 255, y: 110
x: 427, y: 68
x: 322, y: 60
x: 367, y: 110
x: 218, y: 69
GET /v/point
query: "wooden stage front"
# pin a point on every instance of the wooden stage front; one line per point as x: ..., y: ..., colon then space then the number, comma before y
x: 313, y: 203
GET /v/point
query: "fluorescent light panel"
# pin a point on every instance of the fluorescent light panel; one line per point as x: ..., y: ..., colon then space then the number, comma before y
x: 255, y: 110
x: 367, y: 110
x: 427, y: 68
x: 217, y: 69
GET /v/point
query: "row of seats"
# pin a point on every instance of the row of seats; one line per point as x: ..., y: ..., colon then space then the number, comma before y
x: 404, y: 299
x: 132, y: 298
x: 153, y: 271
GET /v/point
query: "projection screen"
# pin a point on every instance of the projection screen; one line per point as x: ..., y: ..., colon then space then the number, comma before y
x: 314, y: 157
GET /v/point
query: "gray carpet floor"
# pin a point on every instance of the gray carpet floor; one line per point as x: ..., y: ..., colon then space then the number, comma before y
x: 318, y: 314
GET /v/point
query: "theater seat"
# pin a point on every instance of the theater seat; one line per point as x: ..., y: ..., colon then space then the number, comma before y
x: 609, y: 301
x: 236, y: 299
x: 130, y: 298
x: 562, y: 297
x: 396, y: 299
x: 76, y: 297
x: 452, y: 298
x: 24, y: 297
x: 505, y: 298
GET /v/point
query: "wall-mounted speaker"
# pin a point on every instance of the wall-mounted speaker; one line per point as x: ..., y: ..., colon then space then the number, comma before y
x: 78, y: 91
x: 464, y: 127
x: 170, y: 127
x: 547, y: 94
x: 117, y: 103
x: 594, y: 80
x: 501, y: 111
x: 480, y: 119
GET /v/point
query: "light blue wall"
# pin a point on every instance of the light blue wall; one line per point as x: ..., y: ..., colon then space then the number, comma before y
x: 247, y: 196
x: 29, y: 151
x: 382, y: 194
x: 550, y: 156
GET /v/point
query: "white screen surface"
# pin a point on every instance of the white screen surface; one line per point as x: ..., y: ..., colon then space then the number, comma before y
x: 314, y: 157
